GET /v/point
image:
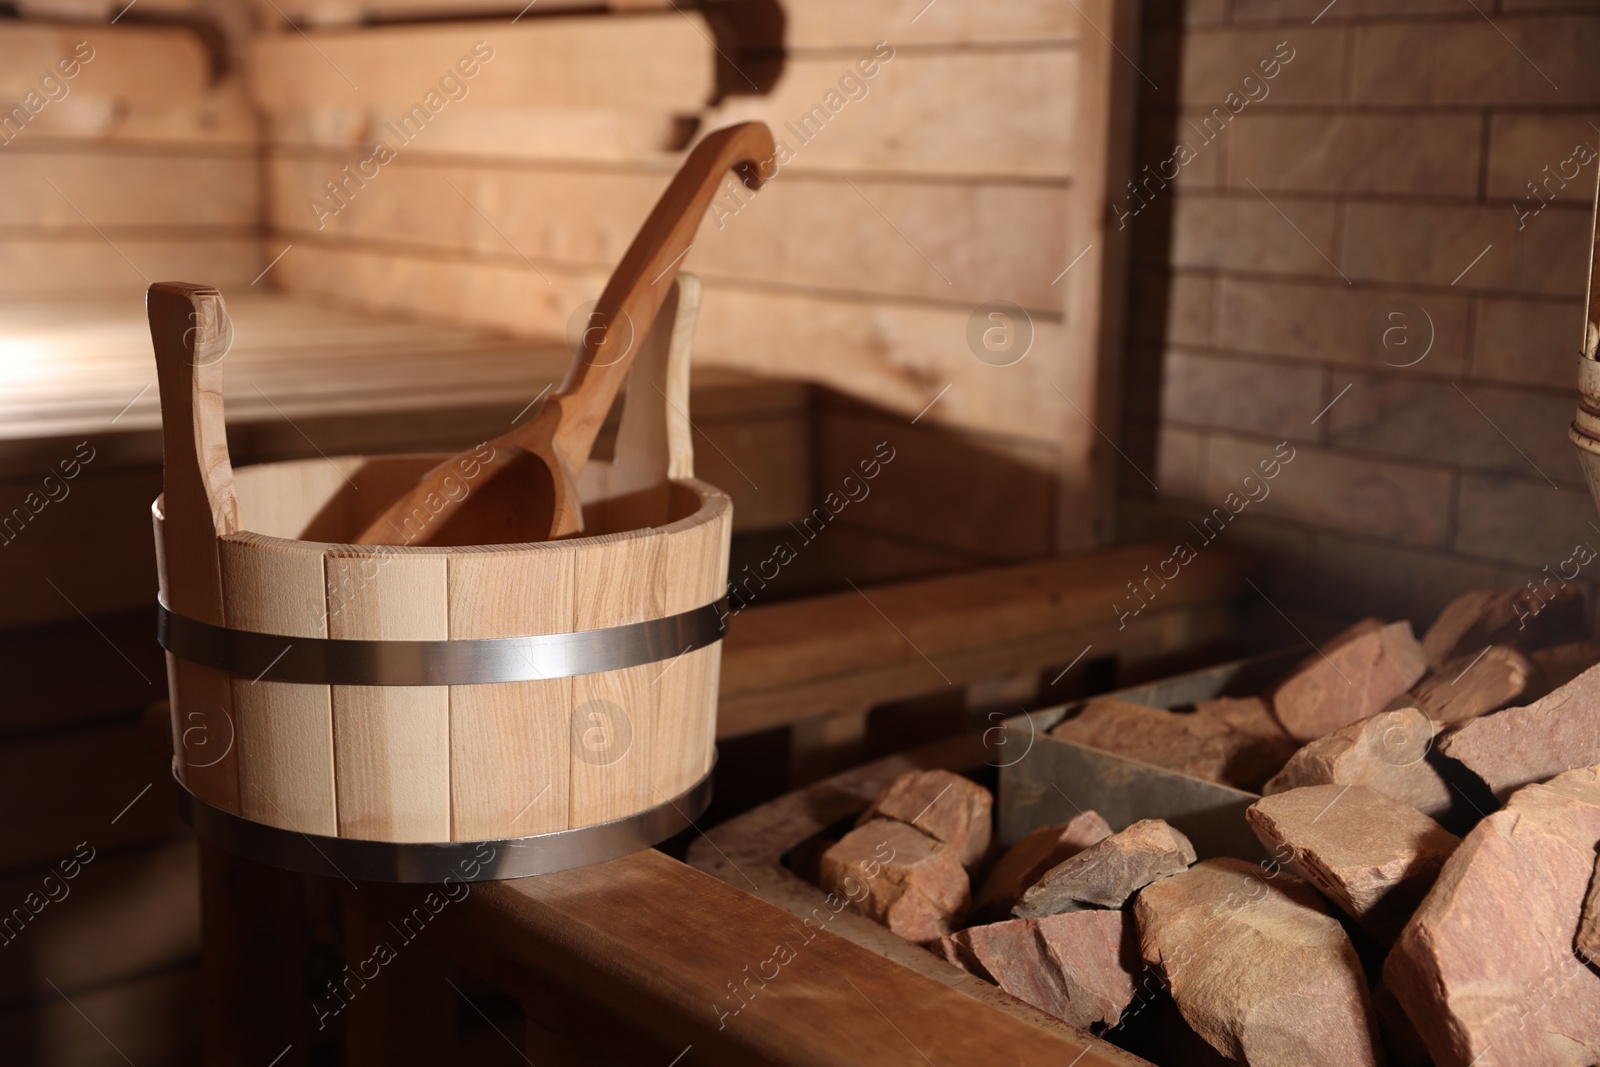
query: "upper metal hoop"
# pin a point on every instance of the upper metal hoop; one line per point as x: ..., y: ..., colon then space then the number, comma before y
x: 483, y: 661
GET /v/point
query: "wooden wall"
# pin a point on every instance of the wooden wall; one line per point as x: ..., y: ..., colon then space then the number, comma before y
x: 961, y: 171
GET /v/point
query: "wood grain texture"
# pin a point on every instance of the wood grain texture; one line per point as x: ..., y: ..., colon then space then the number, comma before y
x: 391, y: 745
x: 668, y: 938
x: 652, y: 61
x: 528, y: 487
x: 188, y: 325
x: 509, y: 750
x: 843, y: 23
x: 283, y: 731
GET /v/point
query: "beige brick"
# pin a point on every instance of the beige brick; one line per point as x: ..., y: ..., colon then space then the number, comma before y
x: 1424, y: 155
x: 1217, y: 60
x: 1327, y: 489
x: 1171, y: 308
x: 1332, y: 322
x: 1515, y: 61
x: 1180, y: 463
x: 1246, y: 232
x: 1527, y: 341
x: 1249, y: 395
x: 1299, y: 12
x: 1390, y: 581
x: 1434, y: 244
x: 1522, y: 145
x: 1398, y: 415
x: 1521, y: 520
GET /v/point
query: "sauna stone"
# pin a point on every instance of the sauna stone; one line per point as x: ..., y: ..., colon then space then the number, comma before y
x: 1373, y: 856
x: 1025, y: 862
x: 1558, y: 732
x: 943, y: 805
x: 1257, y: 967
x: 1387, y: 752
x: 1107, y: 873
x: 1485, y: 968
x: 1078, y: 967
x: 899, y: 877
x: 1355, y: 675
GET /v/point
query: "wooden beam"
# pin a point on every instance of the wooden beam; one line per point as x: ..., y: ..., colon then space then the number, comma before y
x: 783, y: 663
x: 660, y: 62
x: 664, y: 947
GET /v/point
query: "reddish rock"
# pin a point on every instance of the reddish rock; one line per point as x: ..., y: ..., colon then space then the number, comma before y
x: 1505, y: 616
x: 1386, y: 752
x: 1354, y: 676
x: 1558, y: 732
x: 1464, y: 688
x: 1201, y: 746
x: 1107, y: 873
x: 943, y: 805
x: 899, y: 877
x: 1257, y: 967
x: 1026, y: 861
x: 1263, y: 747
x: 1485, y: 969
x: 1077, y: 967
x: 1587, y: 941
x: 1560, y: 664
x: 1373, y: 856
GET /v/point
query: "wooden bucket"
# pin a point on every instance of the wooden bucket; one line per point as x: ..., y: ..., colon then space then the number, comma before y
x: 421, y: 713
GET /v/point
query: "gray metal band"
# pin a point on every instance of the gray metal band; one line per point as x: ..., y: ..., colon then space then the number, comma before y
x: 340, y: 661
x: 459, y: 861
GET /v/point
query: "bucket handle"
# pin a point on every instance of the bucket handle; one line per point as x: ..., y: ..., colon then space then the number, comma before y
x: 190, y: 334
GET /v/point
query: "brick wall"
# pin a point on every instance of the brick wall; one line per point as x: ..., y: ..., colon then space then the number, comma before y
x: 1371, y: 193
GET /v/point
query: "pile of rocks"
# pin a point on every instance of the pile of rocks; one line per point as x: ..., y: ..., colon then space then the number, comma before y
x: 1374, y: 934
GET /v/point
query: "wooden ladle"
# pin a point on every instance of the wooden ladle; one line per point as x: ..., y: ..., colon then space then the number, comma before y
x: 528, y: 489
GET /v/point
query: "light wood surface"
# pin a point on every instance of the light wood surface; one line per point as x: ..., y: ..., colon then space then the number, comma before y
x: 528, y: 488
x: 196, y: 509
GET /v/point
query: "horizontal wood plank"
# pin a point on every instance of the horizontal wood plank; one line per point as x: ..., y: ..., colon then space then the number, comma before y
x: 900, y: 355
x: 653, y: 61
x: 930, y: 240
x: 152, y: 64
x: 56, y: 190
x: 844, y: 23
x: 920, y: 623
x: 90, y: 262
x: 284, y: 15
x: 666, y: 941
x: 151, y: 1019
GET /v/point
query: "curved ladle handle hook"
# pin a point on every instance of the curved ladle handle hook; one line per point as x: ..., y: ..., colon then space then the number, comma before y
x: 633, y: 296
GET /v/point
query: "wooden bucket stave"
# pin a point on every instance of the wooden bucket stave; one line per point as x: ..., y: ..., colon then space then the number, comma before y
x: 550, y: 767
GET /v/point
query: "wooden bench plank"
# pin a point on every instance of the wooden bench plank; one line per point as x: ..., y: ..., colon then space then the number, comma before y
x: 663, y: 945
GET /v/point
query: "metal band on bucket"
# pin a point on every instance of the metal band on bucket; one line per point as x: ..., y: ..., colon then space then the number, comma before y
x: 482, y: 661
x: 459, y: 861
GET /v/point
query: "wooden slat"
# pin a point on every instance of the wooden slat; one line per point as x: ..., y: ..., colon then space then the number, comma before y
x: 900, y: 355
x: 391, y: 745
x: 897, y: 634
x: 660, y: 62
x: 126, y: 189
x: 68, y: 788
x: 666, y: 941
x: 119, y: 917
x: 32, y: 264
x: 147, y: 63
x: 512, y: 737
x: 845, y: 23
x: 974, y: 113
x: 149, y: 1020
x: 272, y: 14
x: 283, y: 732
x: 981, y: 241
x: 614, y: 724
